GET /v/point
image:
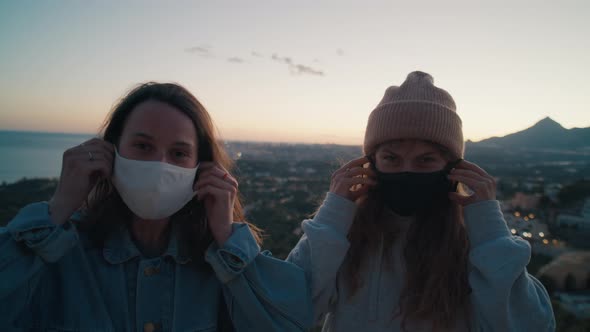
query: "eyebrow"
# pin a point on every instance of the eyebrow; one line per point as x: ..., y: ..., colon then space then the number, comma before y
x: 178, y: 143
x: 427, y: 153
x: 388, y: 149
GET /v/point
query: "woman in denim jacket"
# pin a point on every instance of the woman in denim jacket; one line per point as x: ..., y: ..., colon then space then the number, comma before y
x: 145, y: 233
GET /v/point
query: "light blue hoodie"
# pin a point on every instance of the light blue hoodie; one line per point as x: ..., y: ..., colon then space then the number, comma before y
x: 504, y: 297
x: 52, y: 280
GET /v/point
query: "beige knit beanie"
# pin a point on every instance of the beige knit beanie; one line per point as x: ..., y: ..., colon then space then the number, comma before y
x: 415, y: 110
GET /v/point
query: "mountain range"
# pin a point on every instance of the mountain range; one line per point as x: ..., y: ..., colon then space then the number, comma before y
x: 546, y: 134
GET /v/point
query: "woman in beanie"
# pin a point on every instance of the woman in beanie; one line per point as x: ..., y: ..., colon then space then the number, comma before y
x: 396, y: 247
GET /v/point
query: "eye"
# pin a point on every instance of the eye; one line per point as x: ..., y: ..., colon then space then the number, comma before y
x: 180, y: 154
x: 427, y: 159
x: 390, y: 157
x: 142, y: 146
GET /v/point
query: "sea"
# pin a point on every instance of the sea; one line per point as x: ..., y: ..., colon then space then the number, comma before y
x: 34, y: 154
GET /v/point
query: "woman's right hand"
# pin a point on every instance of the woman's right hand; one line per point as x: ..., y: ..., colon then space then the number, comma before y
x: 82, y: 167
x: 352, y: 181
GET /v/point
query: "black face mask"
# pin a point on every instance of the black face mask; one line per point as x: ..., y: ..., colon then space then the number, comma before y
x: 409, y: 193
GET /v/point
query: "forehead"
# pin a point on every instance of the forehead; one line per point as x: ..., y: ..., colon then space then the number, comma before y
x: 160, y: 120
x: 409, y: 146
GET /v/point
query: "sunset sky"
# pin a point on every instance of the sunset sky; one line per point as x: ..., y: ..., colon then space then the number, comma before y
x: 295, y: 71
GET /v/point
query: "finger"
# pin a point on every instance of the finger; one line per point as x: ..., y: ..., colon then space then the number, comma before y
x: 96, y: 154
x: 218, y: 183
x: 95, y: 142
x: 474, y: 184
x: 102, y: 167
x: 461, y: 199
x: 83, y: 157
x: 464, y: 164
x: 99, y: 144
x: 354, y: 163
x: 211, y: 191
x: 358, y: 180
x: 206, y: 165
x: 360, y: 188
x: 359, y: 191
x: 467, y: 173
x: 93, y: 147
x: 203, y: 180
x: 215, y: 173
x: 215, y: 169
x: 356, y: 171
x: 107, y: 148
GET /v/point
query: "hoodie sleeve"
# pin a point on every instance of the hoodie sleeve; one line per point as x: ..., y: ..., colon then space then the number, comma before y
x: 505, y: 297
x: 323, y: 247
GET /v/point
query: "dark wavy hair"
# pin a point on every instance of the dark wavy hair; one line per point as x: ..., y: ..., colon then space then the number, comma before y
x: 435, y: 253
x: 106, y: 211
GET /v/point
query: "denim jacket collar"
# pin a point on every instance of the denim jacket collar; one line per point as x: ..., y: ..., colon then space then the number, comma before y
x: 119, y: 248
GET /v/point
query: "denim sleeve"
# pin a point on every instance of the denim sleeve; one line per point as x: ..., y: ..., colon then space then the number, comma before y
x: 505, y: 297
x: 262, y: 293
x: 322, y: 249
x: 27, y: 244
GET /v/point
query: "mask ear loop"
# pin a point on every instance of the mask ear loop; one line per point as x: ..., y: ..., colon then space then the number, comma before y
x: 449, y: 167
x: 453, y: 164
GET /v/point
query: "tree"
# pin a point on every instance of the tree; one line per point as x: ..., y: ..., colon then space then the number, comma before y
x: 548, y: 282
x: 570, y: 283
x: 574, y: 192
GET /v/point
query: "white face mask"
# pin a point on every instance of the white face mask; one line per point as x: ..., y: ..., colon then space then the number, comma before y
x: 153, y: 189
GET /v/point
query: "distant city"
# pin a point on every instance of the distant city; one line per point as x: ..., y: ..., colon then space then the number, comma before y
x: 544, y: 192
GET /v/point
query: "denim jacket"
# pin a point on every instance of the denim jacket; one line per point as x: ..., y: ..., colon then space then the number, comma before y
x: 52, y: 280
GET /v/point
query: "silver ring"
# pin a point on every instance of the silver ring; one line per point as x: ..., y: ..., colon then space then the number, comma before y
x: 90, y: 156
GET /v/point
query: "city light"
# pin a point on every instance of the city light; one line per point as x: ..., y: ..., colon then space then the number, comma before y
x: 526, y: 218
x: 541, y: 234
x: 545, y: 241
x: 531, y: 216
x: 517, y: 214
x: 513, y: 231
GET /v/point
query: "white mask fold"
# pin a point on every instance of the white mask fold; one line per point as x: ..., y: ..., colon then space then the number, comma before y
x: 152, y: 189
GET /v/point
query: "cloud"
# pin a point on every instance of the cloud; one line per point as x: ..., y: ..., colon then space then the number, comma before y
x: 302, y: 69
x: 235, y: 60
x: 197, y: 49
x: 285, y: 60
x: 296, y: 68
x: 202, y: 51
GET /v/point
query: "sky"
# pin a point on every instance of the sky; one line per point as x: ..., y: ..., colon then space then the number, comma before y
x: 295, y: 71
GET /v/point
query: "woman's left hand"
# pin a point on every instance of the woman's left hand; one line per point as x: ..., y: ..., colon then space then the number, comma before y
x: 481, y: 183
x: 217, y: 189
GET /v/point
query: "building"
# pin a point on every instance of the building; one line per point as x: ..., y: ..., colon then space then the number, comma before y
x: 525, y: 201
x: 569, y: 272
x: 581, y: 222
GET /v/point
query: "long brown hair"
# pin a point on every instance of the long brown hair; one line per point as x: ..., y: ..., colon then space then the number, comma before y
x: 105, y: 210
x: 436, y: 250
